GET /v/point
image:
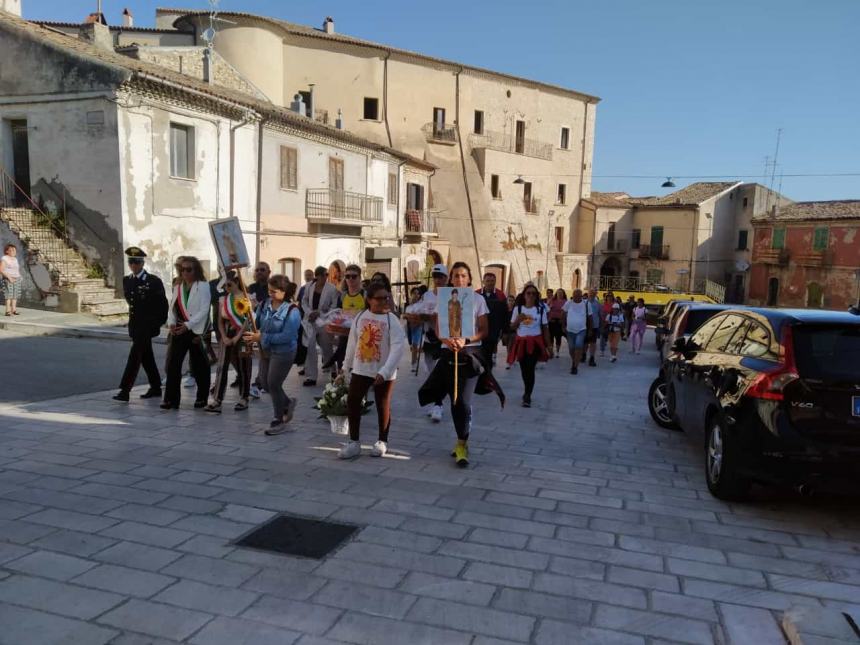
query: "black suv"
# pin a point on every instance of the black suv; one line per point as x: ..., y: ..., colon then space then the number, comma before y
x: 771, y: 395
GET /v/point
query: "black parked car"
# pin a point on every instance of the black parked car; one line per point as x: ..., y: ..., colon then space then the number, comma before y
x: 771, y: 395
x: 685, y: 319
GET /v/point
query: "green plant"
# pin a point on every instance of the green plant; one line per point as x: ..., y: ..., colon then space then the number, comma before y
x: 96, y: 271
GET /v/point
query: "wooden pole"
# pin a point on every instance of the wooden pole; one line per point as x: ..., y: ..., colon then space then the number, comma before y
x: 456, y: 374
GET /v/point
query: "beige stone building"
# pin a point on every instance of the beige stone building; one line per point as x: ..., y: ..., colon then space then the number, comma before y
x: 482, y: 130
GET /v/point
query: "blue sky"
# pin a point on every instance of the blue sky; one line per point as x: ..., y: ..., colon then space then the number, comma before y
x: 689, y: 87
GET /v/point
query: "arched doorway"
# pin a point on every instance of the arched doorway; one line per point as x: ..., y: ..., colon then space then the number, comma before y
x: 611, y: 268
x: 814, y: 295
x: 772, y: 292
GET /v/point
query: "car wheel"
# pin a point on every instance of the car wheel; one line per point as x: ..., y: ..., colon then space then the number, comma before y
x: 721, y: 463
x: 659, y: 404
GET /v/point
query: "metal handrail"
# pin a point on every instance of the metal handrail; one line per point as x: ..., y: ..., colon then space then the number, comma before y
x: 616, y: 246
x: 444, y: 132
x: 505, y: 142
x: 327, y: 204
x: 654, y: 251
x: 421, y: 221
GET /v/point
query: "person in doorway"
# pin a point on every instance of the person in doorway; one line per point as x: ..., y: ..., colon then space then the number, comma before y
x: 147, y: 312
x: 376, y: 345
x: 187, y: 319
x: 278, y: 323
x: 555, y: 307
x: 594, y: 310
x: 614, y: 326
x: 497, y: 318
x: 320, y: 297
x: 532, y: 343
x: 233, y: 321
x: 10, y: 278
x: 577, y: 323
x: 637, y: 326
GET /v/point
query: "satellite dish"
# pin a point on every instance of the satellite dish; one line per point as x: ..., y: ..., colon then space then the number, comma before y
x: 208, y: 35
x: 742, y: 265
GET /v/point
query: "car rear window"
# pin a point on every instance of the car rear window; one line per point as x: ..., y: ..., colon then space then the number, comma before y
x: 827, y: 353
x: 698, y: 317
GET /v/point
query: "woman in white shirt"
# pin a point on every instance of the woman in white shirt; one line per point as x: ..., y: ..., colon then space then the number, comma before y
x: 375, y: 346
x: 187, y: 320
x: 532, y: 343
x: 10, y: 278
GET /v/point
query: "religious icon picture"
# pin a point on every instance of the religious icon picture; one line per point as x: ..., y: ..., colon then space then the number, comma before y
x: 456, y: 308
x: 229, y: 243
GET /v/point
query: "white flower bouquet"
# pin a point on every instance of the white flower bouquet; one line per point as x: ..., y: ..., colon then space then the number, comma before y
x: 333, y: 401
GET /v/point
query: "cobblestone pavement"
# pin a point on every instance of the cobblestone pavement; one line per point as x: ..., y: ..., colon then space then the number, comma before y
x: 579, y: 522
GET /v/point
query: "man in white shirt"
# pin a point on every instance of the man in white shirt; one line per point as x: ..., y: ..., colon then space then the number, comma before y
x: 577, y: 321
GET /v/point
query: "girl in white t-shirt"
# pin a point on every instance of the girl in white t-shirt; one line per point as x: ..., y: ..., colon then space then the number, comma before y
x: 375, y: 346
x: 532, y: 343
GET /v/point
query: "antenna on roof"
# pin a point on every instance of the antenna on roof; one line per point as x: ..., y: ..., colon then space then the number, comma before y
x: 208, y: 37
x: 773, y: 172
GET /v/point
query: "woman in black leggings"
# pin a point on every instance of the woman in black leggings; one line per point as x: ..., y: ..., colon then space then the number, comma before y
x: 532, y: 343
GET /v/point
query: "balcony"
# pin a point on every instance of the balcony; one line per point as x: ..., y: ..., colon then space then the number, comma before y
x: 421, y: 223
x: 615, y: 246
x: 504, y: 142
x: 653, y: 252
x: 822, y: 258
x: 777, y: 257
x: 331, y: 206
x: 445, y: 133
x: 531, y: 205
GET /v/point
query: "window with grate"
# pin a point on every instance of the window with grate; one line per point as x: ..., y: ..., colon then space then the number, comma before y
x: 289, y: 168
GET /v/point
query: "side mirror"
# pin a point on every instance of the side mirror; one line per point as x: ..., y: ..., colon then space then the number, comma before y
x: 680, y: 345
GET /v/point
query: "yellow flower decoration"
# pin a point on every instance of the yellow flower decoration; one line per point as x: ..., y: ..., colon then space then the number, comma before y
x: 242, y: 306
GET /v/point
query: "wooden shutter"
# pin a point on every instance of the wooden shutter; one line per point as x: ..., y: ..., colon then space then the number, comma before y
x: 289, y: 168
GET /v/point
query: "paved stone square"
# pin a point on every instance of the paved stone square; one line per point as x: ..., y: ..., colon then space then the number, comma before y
x: 579, y: 521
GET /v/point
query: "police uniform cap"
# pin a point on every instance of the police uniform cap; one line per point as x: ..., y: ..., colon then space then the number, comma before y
x: 135, y: 253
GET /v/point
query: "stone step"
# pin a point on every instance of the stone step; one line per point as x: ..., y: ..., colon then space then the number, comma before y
x: 80, y: 283
x: 115, y: 307
x: 100, y: 297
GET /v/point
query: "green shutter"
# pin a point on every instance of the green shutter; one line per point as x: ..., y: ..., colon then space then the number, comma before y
x: 821, y: 239
x: 778, y: 241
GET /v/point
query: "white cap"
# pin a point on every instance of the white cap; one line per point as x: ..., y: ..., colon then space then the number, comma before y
x: 439, y: 268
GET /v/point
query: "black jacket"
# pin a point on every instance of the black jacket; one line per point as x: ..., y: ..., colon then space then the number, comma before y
x: 440, y: 382
x: 147, y: 305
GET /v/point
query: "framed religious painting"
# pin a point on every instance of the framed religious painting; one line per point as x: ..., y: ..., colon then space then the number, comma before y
x: 229, y: 243
x: 456, y: 312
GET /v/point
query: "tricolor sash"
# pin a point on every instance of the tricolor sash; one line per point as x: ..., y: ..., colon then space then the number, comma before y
x: 182, y: 302
x: 230, y: 313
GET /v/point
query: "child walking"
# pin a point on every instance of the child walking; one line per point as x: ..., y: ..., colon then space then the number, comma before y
x: 637, y: 328
x: 375, y: 346
x: 614, y: 325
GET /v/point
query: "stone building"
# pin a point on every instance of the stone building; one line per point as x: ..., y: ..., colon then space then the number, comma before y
x: 807, y: 254
x: 111, y: 147
x: 513, y: 156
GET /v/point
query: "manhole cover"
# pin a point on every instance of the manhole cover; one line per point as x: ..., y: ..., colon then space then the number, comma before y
x: 298, y: 536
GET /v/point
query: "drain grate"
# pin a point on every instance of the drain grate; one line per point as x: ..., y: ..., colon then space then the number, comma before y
x: 298, y: 536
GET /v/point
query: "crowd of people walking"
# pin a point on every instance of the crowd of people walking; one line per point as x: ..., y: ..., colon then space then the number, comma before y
x: 353, y: 332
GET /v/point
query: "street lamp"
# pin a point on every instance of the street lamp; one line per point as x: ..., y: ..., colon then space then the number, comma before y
x: 519, y: 180
x: 668, y: 183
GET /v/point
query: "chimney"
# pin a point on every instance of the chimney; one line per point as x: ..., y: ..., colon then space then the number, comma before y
x: 12, y: 6
x: 208, y: 70
x: 328, y: 25
x: 127, y: 18
x: 97, y: 34
x: 298, y: 105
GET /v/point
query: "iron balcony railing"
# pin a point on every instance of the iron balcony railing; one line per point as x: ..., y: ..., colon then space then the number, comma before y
x: 713, y: 290
x: 329, y: 205
x: 505, y: 142
x: 440, y: 132
x: 421, y: 222
x: 616, y: 246
x: 654, y: 251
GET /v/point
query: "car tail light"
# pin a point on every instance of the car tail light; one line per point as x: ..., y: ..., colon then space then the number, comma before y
x: 770, y: 385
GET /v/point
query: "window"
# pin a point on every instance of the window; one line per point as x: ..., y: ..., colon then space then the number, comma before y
x: 181, y: 151
x: 827, y: 353
x: 746, y: 201
x: 564, y: 144
x: 635, y: 238
x: 289, y: 168
x: 479, y: 122
x: 757, y: 342
x: 392, y: 188
x: 654, y: 276
x: 520, y: 141
x: 742, y: 240
x: 335, y: 173
x: 562, y: 194
x: 371, y: 109
x: 724, y: 333
x: 527, y: 197
x: 439, y: 117
x: 778, y: 239
x: 559, y: 239
x: 821, y: 238
x: 656, y: 240
x: 494, y: 187
x: 414, y: 197
x: 291, y: 268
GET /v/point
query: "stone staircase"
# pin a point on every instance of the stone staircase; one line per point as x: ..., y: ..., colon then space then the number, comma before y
x: 69, y: 269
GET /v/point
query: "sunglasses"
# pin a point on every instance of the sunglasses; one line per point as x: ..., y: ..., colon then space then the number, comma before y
x: 187, y: 269
x: 352, y: 276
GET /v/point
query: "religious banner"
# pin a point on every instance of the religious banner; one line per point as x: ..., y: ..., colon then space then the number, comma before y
x: 229, y: 243
x: 455, y: 310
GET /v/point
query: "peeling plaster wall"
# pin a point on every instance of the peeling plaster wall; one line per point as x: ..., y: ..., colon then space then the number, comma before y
x: 168, y: 216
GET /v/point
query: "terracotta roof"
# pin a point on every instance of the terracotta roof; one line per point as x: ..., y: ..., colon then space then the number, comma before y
x: 691, y: 195
x: 837, y: 209
x: 609, y: 200
x: 303, y: 30
x: 67, y: 25
x: 132, y: 71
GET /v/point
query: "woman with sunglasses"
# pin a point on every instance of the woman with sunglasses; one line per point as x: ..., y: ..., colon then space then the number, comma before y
x: 532, y: 343
x: 352, y: 303
x: 376, y: 345
x: 187, y: 319
x: 278, y: 322
x: 234, y: 315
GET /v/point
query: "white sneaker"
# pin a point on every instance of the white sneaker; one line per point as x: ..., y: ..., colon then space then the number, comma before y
x: 189, y: 382
x: 255, y: 391
x: 613, y: 359
x: 436, y: 413
x: 379, y: 449
x: 350, y: 450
